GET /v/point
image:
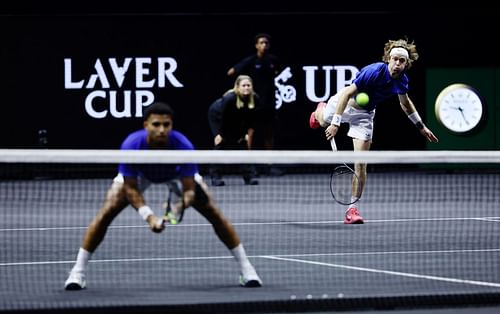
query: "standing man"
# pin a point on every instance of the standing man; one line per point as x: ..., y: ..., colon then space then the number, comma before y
x: 133, y: 179
x: 381, y: 81
x: 262, y: 67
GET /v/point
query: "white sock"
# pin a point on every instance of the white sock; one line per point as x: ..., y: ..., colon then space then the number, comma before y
x: 355, y: 205
x: 82, y: 259
x: 241, y: 257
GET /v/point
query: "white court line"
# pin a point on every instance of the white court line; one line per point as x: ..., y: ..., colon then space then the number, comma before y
x: 121, y: 260
x: 126, y: 260
x: 389, y: 272
x: 490, y: 219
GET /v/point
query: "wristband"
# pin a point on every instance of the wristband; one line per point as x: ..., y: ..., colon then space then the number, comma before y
x: 336, y: 119
x: 415, y: 118
x: 145, y: 211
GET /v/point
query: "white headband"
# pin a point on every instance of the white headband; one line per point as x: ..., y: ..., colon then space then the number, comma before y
x: 398, y: 51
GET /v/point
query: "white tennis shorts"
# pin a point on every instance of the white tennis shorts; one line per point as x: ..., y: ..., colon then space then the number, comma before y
x: 360, y: 121
x: 144, y: 183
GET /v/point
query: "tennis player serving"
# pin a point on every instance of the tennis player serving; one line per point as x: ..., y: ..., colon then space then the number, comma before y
x: 379, y: 81
x: 133, y: 179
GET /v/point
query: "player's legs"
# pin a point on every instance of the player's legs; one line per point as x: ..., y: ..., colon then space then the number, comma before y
x: 114, y: 203
x: 225, y: 231
x: 324, y: 112
x: 361, y: 132
x: 318, y: 117
x: 360, y: 168
x: 352, y: 215
x: 223, y: 228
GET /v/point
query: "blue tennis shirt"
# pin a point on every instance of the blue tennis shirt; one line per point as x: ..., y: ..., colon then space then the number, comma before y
x: 157, y: 172
x: 375, y: 80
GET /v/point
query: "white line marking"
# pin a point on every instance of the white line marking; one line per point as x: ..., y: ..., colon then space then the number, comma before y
x: 198, y: 258
x: 491, y: 219
x: 389, y: 272
x: 121, y: 260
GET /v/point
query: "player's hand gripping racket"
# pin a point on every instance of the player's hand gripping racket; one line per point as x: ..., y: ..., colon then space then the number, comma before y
x: 174, y: 206
x: 343, y: 181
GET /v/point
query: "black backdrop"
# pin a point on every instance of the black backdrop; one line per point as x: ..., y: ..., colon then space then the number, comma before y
x: 205, y: 41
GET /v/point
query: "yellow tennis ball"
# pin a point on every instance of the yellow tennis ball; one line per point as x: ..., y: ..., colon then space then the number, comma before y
x: 362, y: 99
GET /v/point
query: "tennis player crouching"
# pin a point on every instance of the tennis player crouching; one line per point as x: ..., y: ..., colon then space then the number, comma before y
x: 133, y: 179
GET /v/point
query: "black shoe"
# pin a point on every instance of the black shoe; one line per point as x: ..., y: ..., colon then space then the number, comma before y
x: 218, y: 182
x: 250, y: 180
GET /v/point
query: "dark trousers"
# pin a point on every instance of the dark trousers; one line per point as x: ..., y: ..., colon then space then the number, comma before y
x: 248, y: 171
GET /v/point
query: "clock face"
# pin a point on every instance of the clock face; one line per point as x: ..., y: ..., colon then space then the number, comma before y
x: 459, y: 108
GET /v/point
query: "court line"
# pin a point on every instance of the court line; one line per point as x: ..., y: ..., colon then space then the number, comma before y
x: 389, y: 272
x: 198, y: 258
x: 489, y: 219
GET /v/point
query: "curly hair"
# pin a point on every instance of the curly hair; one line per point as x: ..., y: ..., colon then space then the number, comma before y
x: 402, y: 43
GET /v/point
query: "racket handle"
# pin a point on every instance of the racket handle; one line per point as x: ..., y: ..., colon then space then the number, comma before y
x: 333, y: 144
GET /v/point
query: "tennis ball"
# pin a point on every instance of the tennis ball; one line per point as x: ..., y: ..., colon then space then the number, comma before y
x: 362, y: 99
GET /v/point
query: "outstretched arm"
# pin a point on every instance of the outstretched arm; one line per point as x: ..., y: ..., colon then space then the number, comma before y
x: 410, y: 110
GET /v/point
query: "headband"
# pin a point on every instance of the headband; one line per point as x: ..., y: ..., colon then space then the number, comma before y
x: 398, y: 51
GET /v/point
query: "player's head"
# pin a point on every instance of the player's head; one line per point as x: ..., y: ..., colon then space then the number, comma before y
x: 158, y: 122
x: 399, y: 56
x: 158, y: 108
x: 243, y: 88
x: 397, y: 50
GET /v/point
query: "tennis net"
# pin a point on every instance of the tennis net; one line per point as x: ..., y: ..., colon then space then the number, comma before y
x: 430, y: 235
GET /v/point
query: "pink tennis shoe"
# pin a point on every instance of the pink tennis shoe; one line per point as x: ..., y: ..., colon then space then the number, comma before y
x: 352, y: 216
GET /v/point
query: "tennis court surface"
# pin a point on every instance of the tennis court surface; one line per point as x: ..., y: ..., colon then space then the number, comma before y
x: 431, y: 238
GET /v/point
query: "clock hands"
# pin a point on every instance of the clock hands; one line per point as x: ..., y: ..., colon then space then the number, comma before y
x: 461, y: 112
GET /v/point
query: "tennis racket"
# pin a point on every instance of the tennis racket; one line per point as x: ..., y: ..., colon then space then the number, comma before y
x: 174, y: 205
x: 343, y: 181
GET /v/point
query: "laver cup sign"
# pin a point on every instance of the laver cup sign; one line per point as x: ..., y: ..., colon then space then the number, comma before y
x: 108, y: 95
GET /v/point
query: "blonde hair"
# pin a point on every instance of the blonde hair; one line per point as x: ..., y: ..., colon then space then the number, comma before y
x: 401, y: 43
x: 240, y: 102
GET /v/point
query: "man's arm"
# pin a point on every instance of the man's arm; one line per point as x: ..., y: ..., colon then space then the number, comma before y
x: 136, y: 200
x: 411, y: 111
x: 344, y: 97
x: 231, y: 72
